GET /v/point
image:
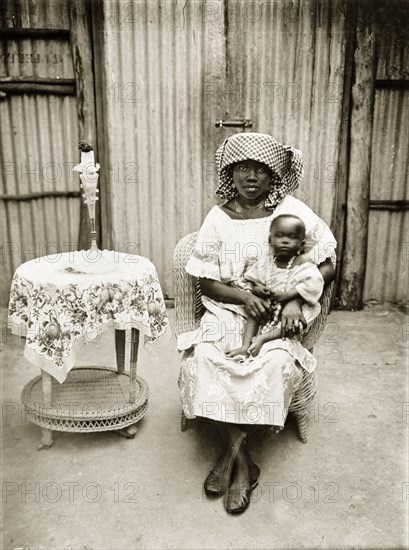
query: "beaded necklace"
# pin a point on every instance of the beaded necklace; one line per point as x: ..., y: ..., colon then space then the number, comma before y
x: 276, y: 306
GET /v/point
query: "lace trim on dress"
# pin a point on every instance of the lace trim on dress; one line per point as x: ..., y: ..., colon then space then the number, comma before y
x: 200, y: 267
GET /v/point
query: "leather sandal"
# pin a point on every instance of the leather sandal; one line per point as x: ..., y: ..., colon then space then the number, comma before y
x: 237, y: 499
x: 216, y: 483
x: 216, y: 486
x: 254, y: 471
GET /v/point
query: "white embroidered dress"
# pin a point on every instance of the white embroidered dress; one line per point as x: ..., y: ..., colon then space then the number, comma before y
x: 259, y: 390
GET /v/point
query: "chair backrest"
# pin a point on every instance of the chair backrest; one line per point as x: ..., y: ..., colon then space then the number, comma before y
x: 188, y: 304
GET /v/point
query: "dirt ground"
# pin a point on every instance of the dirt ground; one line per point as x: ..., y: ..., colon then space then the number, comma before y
x: 348, y: 487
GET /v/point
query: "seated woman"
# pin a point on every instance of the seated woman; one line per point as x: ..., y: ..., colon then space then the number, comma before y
x: 256, y: 176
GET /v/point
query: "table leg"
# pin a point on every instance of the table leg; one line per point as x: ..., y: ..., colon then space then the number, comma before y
x: 132, y: 368
x: 47, y: 434
x: 130, y: 431
x: 120, y: 339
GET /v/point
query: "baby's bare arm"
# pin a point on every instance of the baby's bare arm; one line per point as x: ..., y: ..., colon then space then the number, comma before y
x: 284, y: 296
x: 262, y: 291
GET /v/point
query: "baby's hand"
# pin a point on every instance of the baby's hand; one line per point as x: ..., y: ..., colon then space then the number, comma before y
x: 256, y: 345
x: 261, y: 291
x: 237, y: 354
x: 278, y: 296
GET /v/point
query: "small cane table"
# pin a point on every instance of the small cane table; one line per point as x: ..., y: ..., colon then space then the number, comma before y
x: 59, y: 303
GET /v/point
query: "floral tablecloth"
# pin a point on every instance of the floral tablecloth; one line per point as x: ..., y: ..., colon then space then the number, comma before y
x: 59, y: 306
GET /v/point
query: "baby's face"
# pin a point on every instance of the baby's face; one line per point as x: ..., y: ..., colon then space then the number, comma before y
x: 286, y: 238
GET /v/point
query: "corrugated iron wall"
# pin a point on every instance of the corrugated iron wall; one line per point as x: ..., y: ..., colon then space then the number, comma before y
x: 38, y: 140
x: 166, y: 71
x: 286, y: 67
x: 388, y: 253
x: 154, y: 118
x: 172, y: 68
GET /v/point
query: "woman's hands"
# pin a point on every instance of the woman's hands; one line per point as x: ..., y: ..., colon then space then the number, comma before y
x: 266, y: 293
x: 292, y: 319
x: 256, y: 307
x: 261, y: 291
x: 278, y: 296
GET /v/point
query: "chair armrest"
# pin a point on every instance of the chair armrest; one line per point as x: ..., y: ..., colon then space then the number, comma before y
x: 311, y: 337
x: 188, y: 304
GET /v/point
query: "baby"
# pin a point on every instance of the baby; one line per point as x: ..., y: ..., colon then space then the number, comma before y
x: 283, y: 276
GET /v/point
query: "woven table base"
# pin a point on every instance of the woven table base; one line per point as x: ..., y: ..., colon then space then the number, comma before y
x: 92, y: 399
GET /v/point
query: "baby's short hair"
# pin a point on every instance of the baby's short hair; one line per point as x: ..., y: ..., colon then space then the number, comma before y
x: 299, y: 221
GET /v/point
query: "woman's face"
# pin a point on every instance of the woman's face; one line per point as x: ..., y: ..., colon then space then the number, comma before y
x: 252, y: 179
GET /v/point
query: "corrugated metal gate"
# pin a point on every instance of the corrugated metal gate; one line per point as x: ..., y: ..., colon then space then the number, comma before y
x: 170, y: 69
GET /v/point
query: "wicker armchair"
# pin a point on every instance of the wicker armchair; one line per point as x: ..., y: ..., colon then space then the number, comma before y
x: 189, y: 310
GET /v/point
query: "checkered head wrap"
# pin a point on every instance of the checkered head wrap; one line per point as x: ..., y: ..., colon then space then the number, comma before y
x: 284, y: 161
